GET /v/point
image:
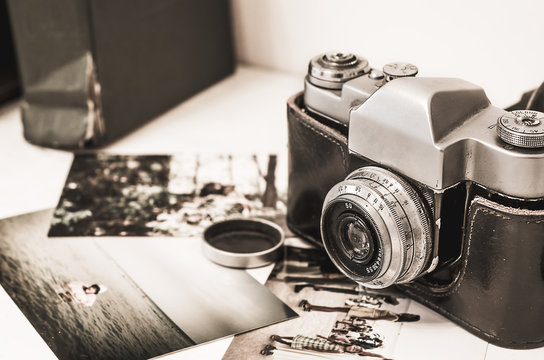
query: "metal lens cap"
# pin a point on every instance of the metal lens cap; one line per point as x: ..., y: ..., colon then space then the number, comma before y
x: 243, y: 243
x: 331, y: 70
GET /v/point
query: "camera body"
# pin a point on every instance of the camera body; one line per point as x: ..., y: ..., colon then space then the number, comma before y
x: 422, y: 184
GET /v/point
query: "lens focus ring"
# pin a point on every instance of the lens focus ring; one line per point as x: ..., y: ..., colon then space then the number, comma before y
x: 404, y: 238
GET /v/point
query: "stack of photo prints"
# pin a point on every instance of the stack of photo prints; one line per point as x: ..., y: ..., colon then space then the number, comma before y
x: 116, y: 271
x: 120, y: 274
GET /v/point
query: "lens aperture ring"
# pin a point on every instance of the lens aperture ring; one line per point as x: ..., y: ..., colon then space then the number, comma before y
x: 413, y: 216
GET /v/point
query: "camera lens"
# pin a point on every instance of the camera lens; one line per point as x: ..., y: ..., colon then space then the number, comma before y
x: 352, y: 238
x: 375, y: 228
x: 356, y: 238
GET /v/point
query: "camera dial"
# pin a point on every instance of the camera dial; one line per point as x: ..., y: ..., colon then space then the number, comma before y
x: 523, y: 128
x: 397, y: 70
x: 375, y: 228
x: 331, y: 70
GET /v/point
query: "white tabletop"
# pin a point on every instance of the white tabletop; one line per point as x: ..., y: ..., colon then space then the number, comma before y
x: 245, y: 113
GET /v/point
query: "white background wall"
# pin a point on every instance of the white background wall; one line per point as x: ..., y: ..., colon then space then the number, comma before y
x: 498, y: 45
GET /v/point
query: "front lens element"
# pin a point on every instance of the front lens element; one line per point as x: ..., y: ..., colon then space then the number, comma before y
x: 356, y: 238
x: 353, y: 239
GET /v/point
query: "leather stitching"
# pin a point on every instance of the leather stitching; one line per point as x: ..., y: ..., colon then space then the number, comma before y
x: 463, y: 271
x: 300, y: 117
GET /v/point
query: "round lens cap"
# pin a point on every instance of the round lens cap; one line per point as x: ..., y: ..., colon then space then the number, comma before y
x: 243, y: 243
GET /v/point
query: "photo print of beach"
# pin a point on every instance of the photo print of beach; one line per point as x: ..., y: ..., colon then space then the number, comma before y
x: 167, y: 195
x: 126, y: 298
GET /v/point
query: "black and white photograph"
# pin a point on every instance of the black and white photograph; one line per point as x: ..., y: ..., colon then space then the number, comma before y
x: 126, y: 298
x: 307, y: 276
x: 272, y: 179
x: 79, y: 300
x: 166, y: 195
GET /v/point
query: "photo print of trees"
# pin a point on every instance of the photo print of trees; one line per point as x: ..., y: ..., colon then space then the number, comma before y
x: 166, y: 195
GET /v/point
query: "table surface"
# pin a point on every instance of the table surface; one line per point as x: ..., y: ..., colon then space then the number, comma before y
x: 243, y: 114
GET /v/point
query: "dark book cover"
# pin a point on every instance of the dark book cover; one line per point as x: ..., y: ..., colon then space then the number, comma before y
x: 94, y: 70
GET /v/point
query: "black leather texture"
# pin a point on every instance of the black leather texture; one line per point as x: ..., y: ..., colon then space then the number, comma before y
x: 318, y: 159
x: 497, y: 292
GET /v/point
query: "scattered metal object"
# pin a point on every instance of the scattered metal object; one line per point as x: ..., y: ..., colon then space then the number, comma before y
x: 243, y: 243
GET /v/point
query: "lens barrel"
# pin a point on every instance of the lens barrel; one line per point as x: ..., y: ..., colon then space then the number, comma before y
x: 376, y: 229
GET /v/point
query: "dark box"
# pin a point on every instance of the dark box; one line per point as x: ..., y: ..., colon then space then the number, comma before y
x: 9, y: 78
x: 92, y: 70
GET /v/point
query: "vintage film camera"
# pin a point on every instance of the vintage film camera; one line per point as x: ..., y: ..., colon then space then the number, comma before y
x: 422, y: 184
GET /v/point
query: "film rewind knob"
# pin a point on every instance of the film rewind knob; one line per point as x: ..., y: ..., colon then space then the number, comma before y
x: 522, y: 128
x: 332, y: 69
